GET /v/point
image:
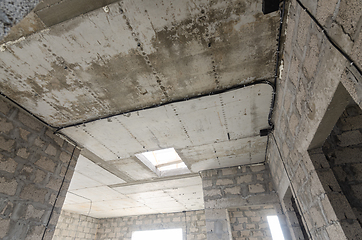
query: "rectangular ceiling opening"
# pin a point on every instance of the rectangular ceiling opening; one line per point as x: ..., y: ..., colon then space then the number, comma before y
x: 164, y: 234
x: 164, y: 162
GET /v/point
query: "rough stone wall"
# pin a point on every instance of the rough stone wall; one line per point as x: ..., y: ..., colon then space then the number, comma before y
x: 313, y: 71
x: 33, y: 162
x: 250, y: 223
x: 192, y: 223
x: 234, y: 187
x: 75, y: 226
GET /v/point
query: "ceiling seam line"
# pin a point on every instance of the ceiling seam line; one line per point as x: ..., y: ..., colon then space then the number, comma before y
x: 236, y: 87
x: 143, y: 54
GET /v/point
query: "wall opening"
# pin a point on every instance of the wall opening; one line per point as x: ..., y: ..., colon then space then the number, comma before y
x: 335, y: 152
x: 275, y: 228
x: 343, y: 149
x: 164, y: 234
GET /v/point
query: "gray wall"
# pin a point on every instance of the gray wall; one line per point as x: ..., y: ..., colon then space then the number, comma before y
x: 250, y: 223
x: 316, y: 85
x: 76, y: 226
x: 192, y: 223
x: 33, y: 162
x: 229, y: 192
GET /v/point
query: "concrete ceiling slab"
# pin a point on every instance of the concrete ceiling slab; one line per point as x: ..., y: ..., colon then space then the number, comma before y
x: 136, y: 55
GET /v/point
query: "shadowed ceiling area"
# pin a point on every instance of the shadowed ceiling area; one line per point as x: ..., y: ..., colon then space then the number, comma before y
x: 137, y: 76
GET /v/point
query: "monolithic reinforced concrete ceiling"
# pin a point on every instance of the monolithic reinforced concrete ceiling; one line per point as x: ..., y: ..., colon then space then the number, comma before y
x: 150, y: 70
x: 134, y: 54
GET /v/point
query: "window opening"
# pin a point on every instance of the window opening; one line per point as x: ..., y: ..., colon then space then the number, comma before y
x: 164, y: 234
x: 275, y: 229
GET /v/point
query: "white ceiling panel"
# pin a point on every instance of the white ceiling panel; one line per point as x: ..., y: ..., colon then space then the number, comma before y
x: 234, y: 114
x: 71, y: 198
x: 95, y: 172
x: 133, y: 168
x: 99, y: 193
x: 154, y: 186
x: 79, y: 181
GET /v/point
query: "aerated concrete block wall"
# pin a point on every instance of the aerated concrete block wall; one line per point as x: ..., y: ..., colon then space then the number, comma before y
x: 192, y: 223
x: 33, y: 162
x: 339, y: 168
x: 311, y: 95
x: 234, y: 187
x: 250, y: 223
x: 75, y: 226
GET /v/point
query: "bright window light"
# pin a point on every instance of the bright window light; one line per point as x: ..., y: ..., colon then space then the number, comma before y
x: 165, y: 234
x: 164, y: 159
x: 275, y: 228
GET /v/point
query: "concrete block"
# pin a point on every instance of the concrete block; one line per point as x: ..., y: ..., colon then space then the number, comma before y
x: 30, y: 121
x: 34, y: 213
x: 24, y: 134
x: 229, y: 171
x: 244, y: 179
x: 32, y: 192
x: 224, y: 182
x: 206, y: 183
x: 39, y: 176
x: 350, y: 138
x: 8, y: 186
x: 257, y: 168
x: 4, y: 107
x: 6, y: 144
x: 23, y: 153
x: 256, y: 188
x: 54, y: 183
x: 329, y: 181
x: 341, y: 206
x: 351, y: 155
x: 38, y: 142
x: 64, y: 157
x: 4, y: 225
x: 212, y: 193
x: 8, y: 165
x: 351, y: 123
x: 232, y: 190
x: 5, y: 126
x: 51, y: 150
x: 46, y: 164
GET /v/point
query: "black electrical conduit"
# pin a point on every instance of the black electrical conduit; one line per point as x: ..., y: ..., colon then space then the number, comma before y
x: 60, y: 189
x: 239, y: 86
